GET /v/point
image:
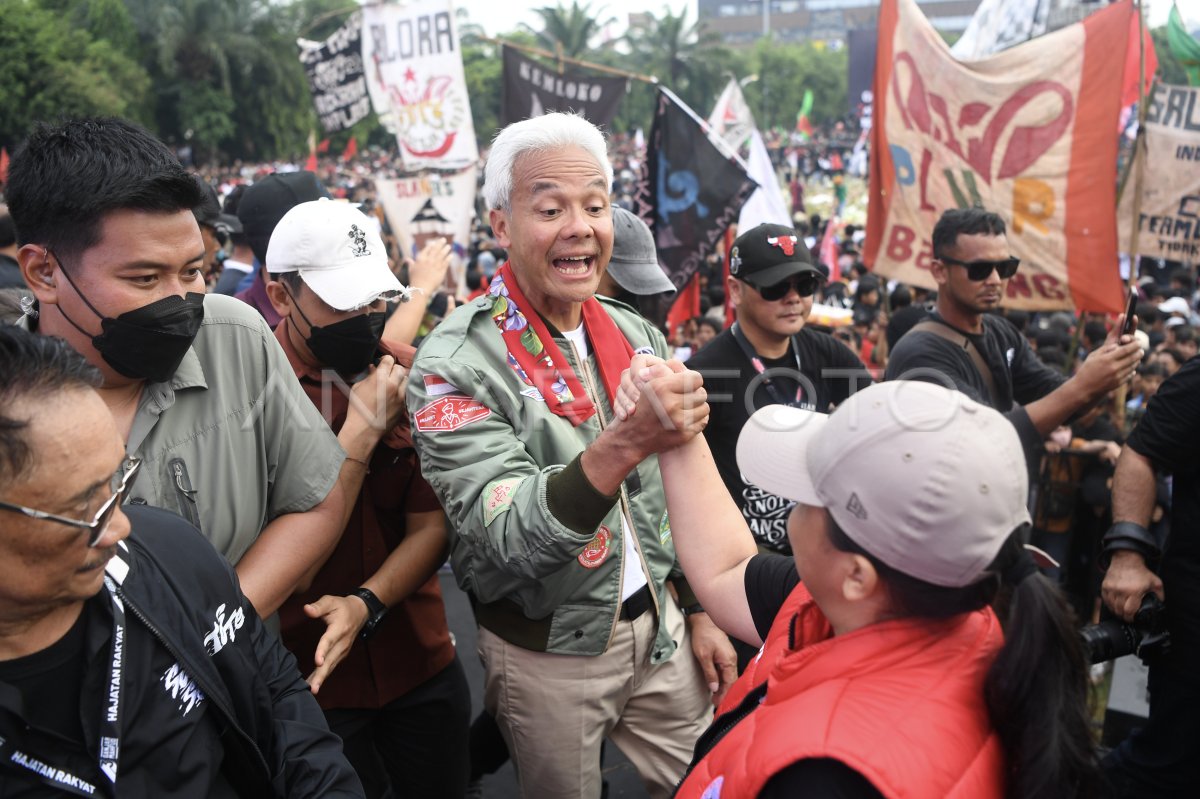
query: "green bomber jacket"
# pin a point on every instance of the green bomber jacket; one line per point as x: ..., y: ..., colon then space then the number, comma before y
x: 537, y: 548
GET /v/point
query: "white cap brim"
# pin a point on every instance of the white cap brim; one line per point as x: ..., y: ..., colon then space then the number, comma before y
x: 353, y: 286
x: 772, y: 451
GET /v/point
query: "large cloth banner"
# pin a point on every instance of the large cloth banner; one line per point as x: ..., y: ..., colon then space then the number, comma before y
x: 530, y: 90
x: 1027, y: 133
x: 691, y: 189
x: 415, y: 78
x: 431, y: 205
x: 1169, y: 216
x: 335, y: 76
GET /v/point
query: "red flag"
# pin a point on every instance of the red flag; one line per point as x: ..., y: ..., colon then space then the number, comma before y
x: 687, y: 305
x: 3, y: 164
x: 311, y: 163
x: 1129, y: 86
x: 829, y: 249
x: 351, y: 149
x: 323, y: 146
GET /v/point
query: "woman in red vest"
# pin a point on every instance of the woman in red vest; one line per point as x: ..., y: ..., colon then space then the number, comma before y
x: 886, y: 672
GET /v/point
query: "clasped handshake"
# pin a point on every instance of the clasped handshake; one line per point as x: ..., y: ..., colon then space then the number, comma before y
x: 660, y: 404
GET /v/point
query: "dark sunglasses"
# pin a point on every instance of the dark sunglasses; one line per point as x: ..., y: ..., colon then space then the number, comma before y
x: 980, y: 270
x: 119, y: 484
x: 805, y: 285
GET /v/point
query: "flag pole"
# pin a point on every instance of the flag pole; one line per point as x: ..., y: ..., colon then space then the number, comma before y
x: 562, y: 59
x: 1139, y: 151
x: 1139, y: 146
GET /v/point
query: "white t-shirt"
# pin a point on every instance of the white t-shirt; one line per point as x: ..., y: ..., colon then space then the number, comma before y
x: 633, y: 578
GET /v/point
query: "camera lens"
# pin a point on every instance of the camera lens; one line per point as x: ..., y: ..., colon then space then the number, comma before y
x: 1109, y: 640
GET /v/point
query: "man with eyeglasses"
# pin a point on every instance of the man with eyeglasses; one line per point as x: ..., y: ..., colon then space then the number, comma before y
x: 770, y: 357
x: 966, y: 345
x: 131, y: 663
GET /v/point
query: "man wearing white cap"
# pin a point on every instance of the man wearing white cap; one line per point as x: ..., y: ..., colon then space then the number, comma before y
x: 330, y: 283
x: 885, y: 673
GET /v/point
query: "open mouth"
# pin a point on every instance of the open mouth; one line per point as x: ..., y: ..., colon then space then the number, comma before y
x: 574, y: 265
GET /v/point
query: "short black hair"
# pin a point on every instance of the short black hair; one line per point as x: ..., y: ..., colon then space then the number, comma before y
x: 964, y: 221
x: 1182, y: 334
x: 8, y: 230
x: 1096, y: 332
x: 67, y: 176
x: 32, y: 367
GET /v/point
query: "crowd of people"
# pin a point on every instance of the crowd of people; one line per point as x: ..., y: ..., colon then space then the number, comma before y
x: 834, y: 537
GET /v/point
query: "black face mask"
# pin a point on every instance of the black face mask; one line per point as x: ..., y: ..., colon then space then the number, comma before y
x: 349, y: 346
x: 147, y: 343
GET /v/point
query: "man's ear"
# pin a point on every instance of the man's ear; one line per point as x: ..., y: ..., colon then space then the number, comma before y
x: 281, y: 299
x: 861, y: 581
x: 940, y: 271
x: 499, y: 221
x: 733, y: 288
x: 40, y: 272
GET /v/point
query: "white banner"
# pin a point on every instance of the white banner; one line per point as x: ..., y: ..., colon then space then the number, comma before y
x: 431, y: 206
x: 731, y: 118
x: 415, y: 77
x: 1000, y: 24
x: 1169, y: 220
x: 766, y: 203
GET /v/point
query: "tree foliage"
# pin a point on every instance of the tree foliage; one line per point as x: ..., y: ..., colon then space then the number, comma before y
x: 50, y: 69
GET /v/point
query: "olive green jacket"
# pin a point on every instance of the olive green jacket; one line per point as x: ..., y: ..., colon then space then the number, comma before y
x: 535, y: 545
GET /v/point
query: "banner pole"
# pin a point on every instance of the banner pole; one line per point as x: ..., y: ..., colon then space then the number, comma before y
x: 562, y: 59
x: 1139, y: 151
x: 1139, y: 156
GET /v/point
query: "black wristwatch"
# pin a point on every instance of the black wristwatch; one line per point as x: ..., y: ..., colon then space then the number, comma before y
x: 691, y: 610
x: 376, y: 610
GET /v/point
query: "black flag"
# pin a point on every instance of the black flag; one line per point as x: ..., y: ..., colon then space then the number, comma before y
x: 335, y: 76
x: 692, y: 188
x: 531, y: 90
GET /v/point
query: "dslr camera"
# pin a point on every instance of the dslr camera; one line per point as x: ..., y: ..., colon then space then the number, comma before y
x: 1146, y: 637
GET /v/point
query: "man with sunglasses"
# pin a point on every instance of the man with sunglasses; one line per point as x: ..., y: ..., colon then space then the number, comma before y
x: 131, y: 663
x: 770, y: 357
x: 965, y: 345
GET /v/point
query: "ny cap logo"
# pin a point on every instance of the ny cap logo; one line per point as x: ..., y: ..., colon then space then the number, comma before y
x: 855, y: 506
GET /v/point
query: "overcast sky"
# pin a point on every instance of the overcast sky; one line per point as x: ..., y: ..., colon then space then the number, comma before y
x: 502, y: 16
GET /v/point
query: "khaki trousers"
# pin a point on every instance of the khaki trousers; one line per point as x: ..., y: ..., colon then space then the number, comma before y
x: 554, y: 710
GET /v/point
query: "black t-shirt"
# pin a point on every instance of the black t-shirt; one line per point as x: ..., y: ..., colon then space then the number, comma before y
x: 157, y: 696
x: 769, y: 580
x: 49, y: 682
x: 735, y: 391
x: 1169, y: 435
x: 1019, y: 375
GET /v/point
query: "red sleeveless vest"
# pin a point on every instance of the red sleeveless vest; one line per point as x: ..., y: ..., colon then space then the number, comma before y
x: 901, y: 702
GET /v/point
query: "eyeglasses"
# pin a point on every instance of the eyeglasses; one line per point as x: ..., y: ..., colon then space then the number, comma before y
x: 805, y: 285
x: 119, y: 483
x: 980, y: 270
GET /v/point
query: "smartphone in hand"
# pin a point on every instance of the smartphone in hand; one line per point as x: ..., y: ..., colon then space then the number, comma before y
x: 1127, y: 327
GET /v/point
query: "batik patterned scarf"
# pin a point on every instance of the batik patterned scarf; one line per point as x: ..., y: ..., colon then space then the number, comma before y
x: 539, y: 362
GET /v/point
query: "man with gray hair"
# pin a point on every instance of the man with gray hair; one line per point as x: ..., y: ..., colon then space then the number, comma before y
x: 561, y: 535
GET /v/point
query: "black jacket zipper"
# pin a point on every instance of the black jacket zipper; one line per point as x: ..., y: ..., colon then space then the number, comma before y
x: 230, y: 717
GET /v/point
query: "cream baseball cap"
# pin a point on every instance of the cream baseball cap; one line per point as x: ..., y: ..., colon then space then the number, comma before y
x: 922, y: 477
x: 337, y: 252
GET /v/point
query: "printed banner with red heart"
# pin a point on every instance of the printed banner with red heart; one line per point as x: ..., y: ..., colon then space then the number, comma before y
x: 1030, y: 133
